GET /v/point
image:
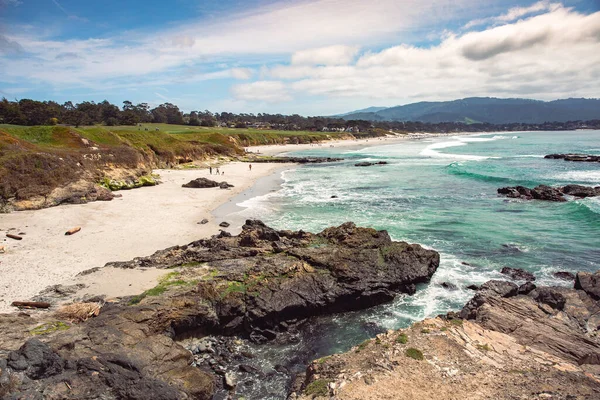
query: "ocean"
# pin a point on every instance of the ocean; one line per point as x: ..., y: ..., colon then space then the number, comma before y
x: 439, y: 192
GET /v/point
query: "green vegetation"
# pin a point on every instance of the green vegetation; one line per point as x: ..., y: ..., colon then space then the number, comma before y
x: 363, y: 345
x: 234, y: 287
x: 425, y: 331
x: 169, y: 280
x: 456, y: 322
x: 317, y: 388
x: 49, y: 327
x: 415, y: 354
x: 114, y: 185
x: 402, y: 338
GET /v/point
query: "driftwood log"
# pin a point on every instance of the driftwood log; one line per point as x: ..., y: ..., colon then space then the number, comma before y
x: 16, y: 237
x: 31, y: 304
x: 73, y: 231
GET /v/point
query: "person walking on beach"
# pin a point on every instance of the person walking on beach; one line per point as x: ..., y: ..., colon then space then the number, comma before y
x: 250, y: 167
x: 210, y: 170
x: 218, y: 171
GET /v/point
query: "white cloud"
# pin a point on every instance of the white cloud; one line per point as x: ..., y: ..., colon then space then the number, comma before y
x: 331, y: 55
x: 514, y: 13
x: 267, y: 91
x: 272, y: 31
x: 241, y: 73
x: 545, y: 56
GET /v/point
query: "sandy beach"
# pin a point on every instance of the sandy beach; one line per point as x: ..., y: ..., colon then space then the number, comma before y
x: 277, y: 149
x: 137, y: 224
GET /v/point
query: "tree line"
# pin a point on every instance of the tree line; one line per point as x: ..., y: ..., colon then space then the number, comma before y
x: 33, y: 112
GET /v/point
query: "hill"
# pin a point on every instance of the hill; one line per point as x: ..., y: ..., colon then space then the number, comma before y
x: 487, y: 109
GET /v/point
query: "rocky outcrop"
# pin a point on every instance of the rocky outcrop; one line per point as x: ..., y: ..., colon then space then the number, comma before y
x: 589, y: 283
x: 368, y: 164
x: 267, y: 277
x: 200, y: 183
x: 537, y: 343
x: 298, y: 160
x: 544, y: 192
x: 574, y: 157
x: 256, y: 285
x: 518, y: 274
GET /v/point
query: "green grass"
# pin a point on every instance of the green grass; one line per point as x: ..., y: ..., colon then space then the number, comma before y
x: 49, y: 327
x: 317, y: 388
x: 169, y: 280
x: 415, y: 354
x: 456, y: 322
x: 402, y: 338
x: 234, y: 287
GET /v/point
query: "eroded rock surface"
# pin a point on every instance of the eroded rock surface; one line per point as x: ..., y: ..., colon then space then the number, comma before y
x: 541, y: 345
x: 255, y: 285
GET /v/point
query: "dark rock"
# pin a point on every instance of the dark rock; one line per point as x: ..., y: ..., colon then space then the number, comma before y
x: 449, y: 286
x: 368, y: 164
x: 254, y: 294
x: 581, y: 191
x: 564, y: 275
x: 342, y: 268
x: 516, y: 192
x: 225, y: 185
x: 36, y: 359
x: 204, y: 221
x: 574, y: 157
x: 499, y: 288
x: 518, y: 274
x: 248, y: 369
x: 334, y: 197
x: 201, y: 183
x: 549, y: 296
x: 589, y: 283
x: 526, y: 288
x: 544, y: 192
x: 224, y: 224
x: 282, y: 369
x: 223, y: 234
x: 473, y: 287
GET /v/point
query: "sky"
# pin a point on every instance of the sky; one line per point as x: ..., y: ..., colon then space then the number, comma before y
x: 308, y: 57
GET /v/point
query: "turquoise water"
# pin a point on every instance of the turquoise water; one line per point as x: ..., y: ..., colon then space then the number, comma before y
x: 441, y: 193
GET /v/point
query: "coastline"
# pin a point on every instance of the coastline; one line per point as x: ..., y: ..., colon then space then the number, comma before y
x: 139, y: 223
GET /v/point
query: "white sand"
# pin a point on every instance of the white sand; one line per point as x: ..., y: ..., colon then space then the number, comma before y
x: 271, y: 150
x: 142, y: 221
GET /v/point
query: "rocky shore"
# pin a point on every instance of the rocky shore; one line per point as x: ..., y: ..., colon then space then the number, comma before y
x: 257, y: 285
x: 574, y: 157
x: 548, y: 193
x: 508, y: 342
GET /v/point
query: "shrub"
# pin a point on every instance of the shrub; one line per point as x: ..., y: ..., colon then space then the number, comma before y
x: 414, y: 354
x: 402, y: 338
x: 317, y: 388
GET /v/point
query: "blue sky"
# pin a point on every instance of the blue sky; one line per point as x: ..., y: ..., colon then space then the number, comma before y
x: 312, y: 57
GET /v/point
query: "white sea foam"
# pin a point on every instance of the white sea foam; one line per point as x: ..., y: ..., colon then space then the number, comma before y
x: 432, y: 151
x: 592, y: 177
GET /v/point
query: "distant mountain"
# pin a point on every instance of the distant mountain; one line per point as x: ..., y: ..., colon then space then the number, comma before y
x: 361, y: 111
x: 485, y: 109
